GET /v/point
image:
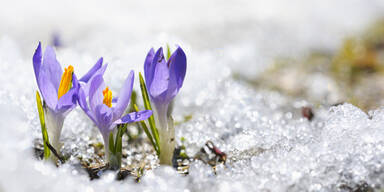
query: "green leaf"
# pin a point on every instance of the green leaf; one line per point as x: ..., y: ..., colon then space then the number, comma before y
x: 168, y: 52
x: 118, y: 146
x: 118, y: 133
x: 123, y: 129
x: 119, y: 136
x: 133, y: 101
x: 111, y: 144
x: 147, y: 132
x: 115, y: 157
x: 147, y: 105
x: 43, y: 128
x: 118, y: 159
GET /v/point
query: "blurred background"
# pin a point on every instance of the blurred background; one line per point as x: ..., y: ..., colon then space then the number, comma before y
x: 264, y: 43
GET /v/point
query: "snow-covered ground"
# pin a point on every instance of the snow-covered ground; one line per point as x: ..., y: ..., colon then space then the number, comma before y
x: 269, y: 146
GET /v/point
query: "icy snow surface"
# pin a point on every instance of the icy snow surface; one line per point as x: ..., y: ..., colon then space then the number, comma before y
x: 269, y: 146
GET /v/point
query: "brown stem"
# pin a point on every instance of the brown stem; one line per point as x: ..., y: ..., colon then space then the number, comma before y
x: 53, y: 150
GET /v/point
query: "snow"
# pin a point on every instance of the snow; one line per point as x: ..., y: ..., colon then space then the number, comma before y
x: 270, y: 147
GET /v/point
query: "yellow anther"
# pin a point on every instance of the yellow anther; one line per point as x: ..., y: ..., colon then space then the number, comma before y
x: 66, y: 81
x: 107, y: 97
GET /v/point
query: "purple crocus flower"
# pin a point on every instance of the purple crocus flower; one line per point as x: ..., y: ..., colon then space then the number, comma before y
x: 164, y: 80
x: 59, y: 89
x: 105, y: 113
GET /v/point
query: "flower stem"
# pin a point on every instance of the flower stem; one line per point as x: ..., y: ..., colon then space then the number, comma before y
x: 54, y: 123
x: 166, y: 134
x: 112, y: 156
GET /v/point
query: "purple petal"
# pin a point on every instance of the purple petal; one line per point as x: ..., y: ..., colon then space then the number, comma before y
x: 101, y: 70
x: 103, y: 116
x: 75, y: 81
x: 124, y: 96
x: 88, y: 84
x: 134, y: 117
x: 37, y: 62
x: 53, y: 66
x: 47, y: 88
x: 92, y: 71
x: 178, y: 65
x: 82, y: 99
x: 161, y: 75
x: 96, y: 91
x: 149, y: 67
x: 68, y: 101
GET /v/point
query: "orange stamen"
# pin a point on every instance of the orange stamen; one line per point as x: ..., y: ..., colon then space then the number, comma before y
x: 66, y: 81
x: 107, y: 97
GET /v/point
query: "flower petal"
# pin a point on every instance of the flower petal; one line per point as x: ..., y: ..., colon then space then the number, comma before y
x: 161, y: 75
x: 82, y: 100
x: 96, y: 91
x: 86, y: 85
x: 43, y: 79
x: 134, y: 117
x: 37, y: 62
x: 92, y: 71
x: 103, y: 116
x: 68, y: 101
x: 178, y: 65
x: 149, y: 68
x: 53, y: 66
x: 47, y: 88
x: 124, y: 96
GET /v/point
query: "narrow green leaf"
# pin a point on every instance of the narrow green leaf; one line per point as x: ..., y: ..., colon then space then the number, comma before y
x: 118, y: 132
x: 168, y: 52
x: 111, y: 144
x: 147, y: 105
x: 147, y: 132
x: 133, y: 101
x: 132, y: 109
x: 42, y: 123
x: 123, y: 129
x: 119, y: 137
x: 47, y: 151
x: 119, y: 144
x: 118, y: 159
x: 144, y: 93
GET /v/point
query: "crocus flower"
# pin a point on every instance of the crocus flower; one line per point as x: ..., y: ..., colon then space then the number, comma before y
x: 59, y: 89
x: 105, y: 113
x: 164, y: 80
